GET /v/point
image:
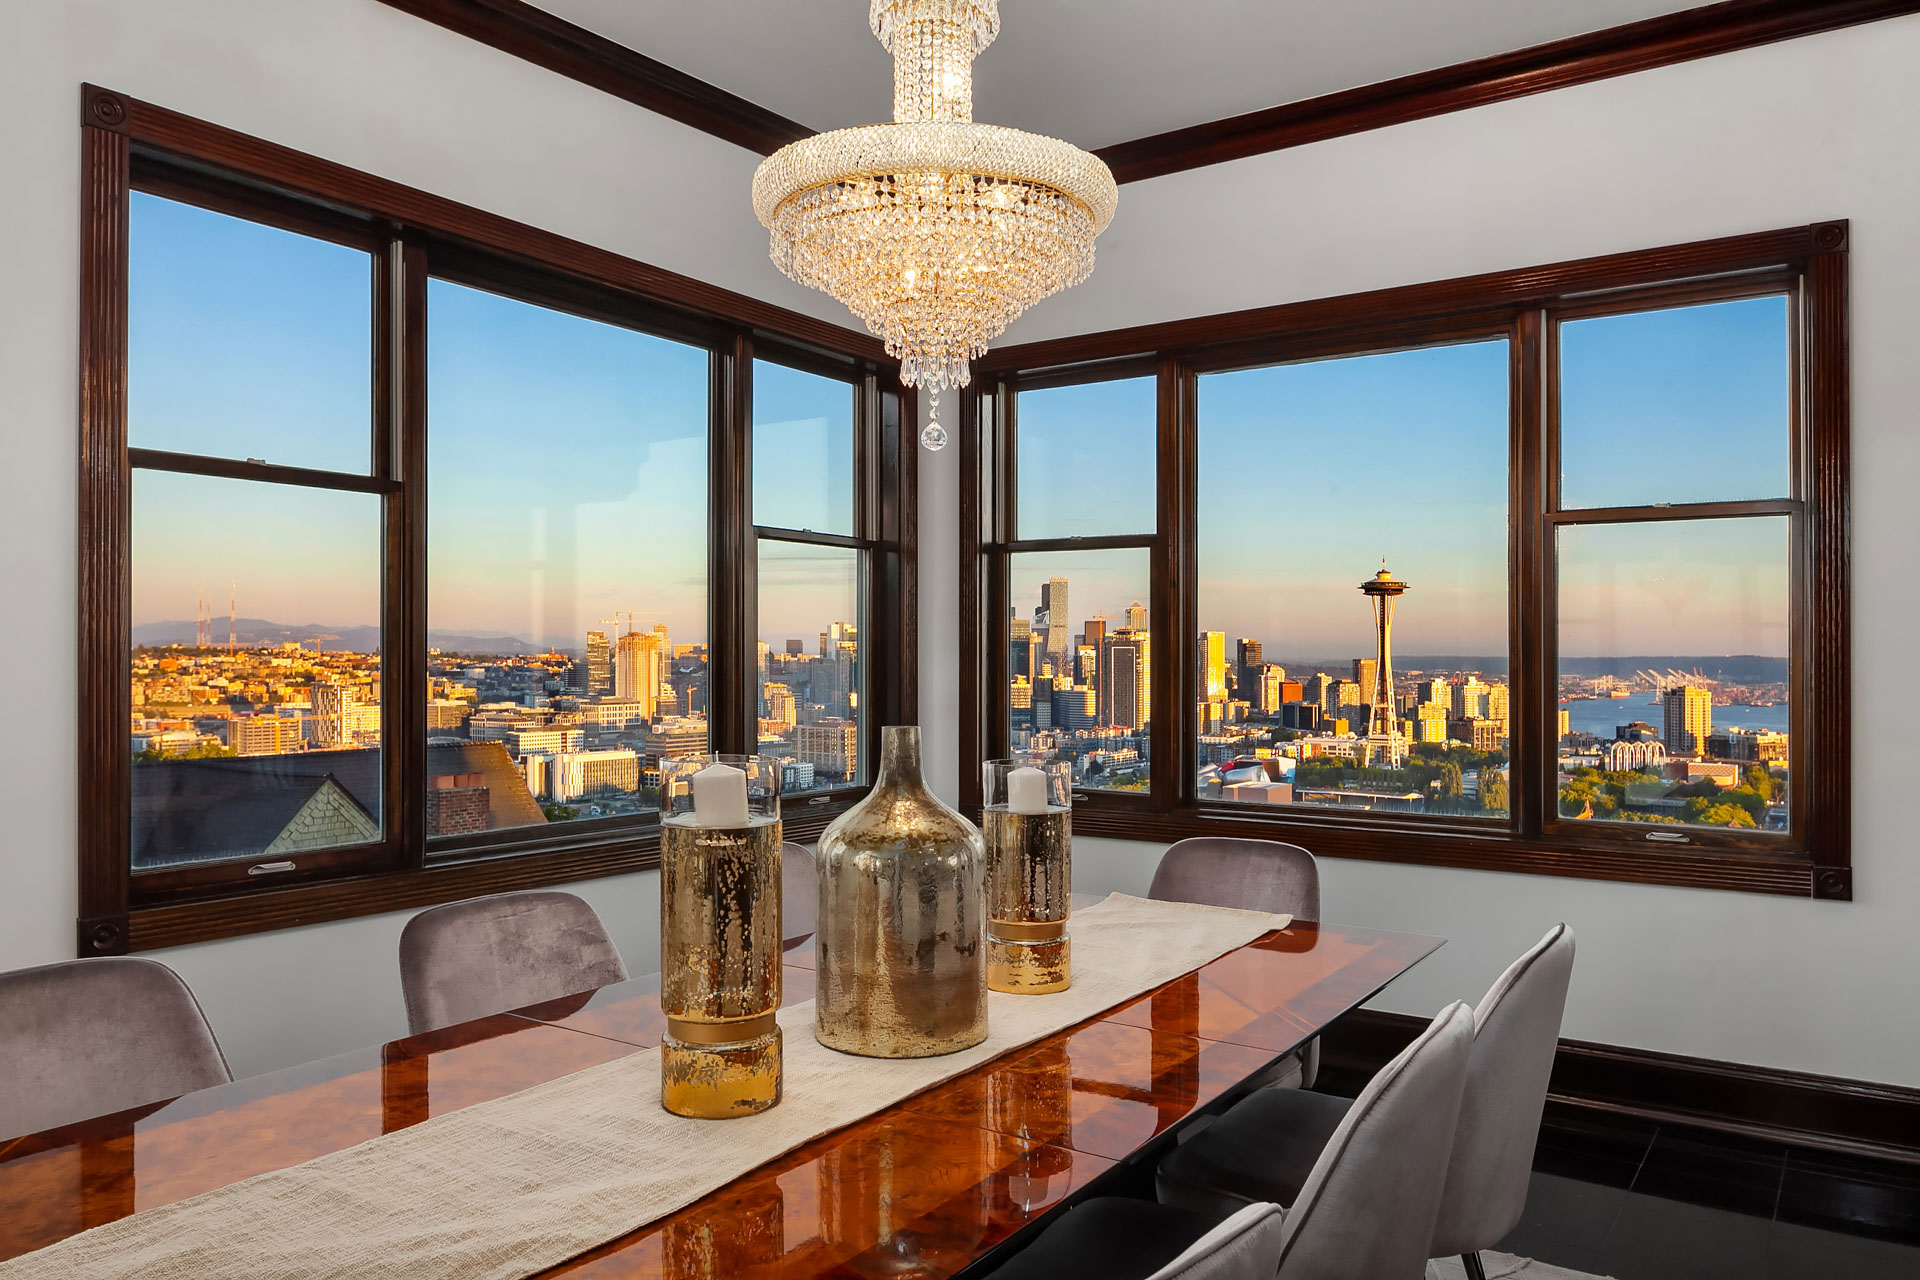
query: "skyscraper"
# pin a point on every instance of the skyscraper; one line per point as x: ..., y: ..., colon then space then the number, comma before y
x: 1366, y: 674
x: 1051, y: 620
x: 1020, y: 648
x: 1689, y: 715
x: 1123, y: 697
x: 1092, y: 632
x: 1213, y: 664
x: 1247, y: 660
x: 638, y: 670
x: 1383, y: 725
x: 1136, y: 616
x: 599, y: 663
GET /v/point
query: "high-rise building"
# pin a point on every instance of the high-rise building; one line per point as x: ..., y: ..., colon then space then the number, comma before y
x: 1247, y: 658
x: 1019, y: 646
x: 1319, y: 689
x: 1365, y: 674
x: 1086, y: 665
x: 1092, y: 632
x: 599, y: 663
x: 1383, y: 726
x: 637, y: 670
x: 1051, y: 620
x: 1136, y: 616
x: 1689, y: 719
x: 779, y: 699
x: 831, y: 746
x: 1498, y: 703
x: 1436, y: 692
x: 1123, y: 697
x: 1470, y: 699
x: 1213, y: 665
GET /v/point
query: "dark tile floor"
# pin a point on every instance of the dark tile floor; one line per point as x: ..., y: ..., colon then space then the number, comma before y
x: 1637, y: 1201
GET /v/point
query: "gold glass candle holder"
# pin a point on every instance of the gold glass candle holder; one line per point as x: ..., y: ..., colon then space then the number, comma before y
x: 1028, y: 825
x: 719, y: 935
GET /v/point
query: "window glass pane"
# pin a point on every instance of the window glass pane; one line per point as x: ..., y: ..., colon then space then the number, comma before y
x: 1085, y: 459
x: 811, y: 664
x: 255, y: 669
x: 245, y: 341
x: 1080, y: 652
x: 566, y: 595
x: 1313, y: 478
x: 1683, y: 405
x: 1673, y: 673
x: 802, y: 450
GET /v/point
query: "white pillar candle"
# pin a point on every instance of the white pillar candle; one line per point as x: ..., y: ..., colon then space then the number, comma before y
x: 720, y: 797
x: 1027, y: 790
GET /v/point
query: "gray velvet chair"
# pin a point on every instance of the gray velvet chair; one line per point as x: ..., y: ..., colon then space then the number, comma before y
x: 1254, y: 875
x: 487, y: 955
x: 89, y: 1037
x: 1516, y: 1030
x: 799, y: 895
x: 1265, y: 1148
x: 1365, y: 1211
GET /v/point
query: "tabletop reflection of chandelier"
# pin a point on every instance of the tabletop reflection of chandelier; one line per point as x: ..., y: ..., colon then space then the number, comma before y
x: 934, y: 230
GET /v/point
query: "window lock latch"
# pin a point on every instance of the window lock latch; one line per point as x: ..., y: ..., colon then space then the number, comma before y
x: 1669, y: 837
x: 268, y: 868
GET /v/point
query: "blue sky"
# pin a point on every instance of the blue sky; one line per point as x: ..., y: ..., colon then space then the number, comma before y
x: 568, y: 469
x: 1310, y: 474
x: 567, y: 458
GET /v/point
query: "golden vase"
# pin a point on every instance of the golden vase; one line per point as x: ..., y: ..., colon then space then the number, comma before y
x: 900, y: 956
x: 720, y: 935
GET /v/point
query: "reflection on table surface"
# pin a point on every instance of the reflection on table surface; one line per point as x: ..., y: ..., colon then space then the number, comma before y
x: 920, y: 1189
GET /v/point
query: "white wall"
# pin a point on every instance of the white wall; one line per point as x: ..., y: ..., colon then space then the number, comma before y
x: 363, y: 84
x: 1792, y: 133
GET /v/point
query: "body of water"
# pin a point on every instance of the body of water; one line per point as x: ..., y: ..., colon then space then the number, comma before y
x: 1601, y: 716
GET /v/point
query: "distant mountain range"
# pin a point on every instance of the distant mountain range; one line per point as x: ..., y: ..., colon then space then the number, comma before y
x: 254, y: 633
x: 1744, y: 668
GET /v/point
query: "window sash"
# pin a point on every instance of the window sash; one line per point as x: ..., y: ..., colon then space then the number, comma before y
x: 414, y: 235
x: 1807, y: 264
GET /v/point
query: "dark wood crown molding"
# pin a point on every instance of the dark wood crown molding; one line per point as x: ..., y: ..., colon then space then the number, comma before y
x: 1597, y: 55
x: 518, y: 28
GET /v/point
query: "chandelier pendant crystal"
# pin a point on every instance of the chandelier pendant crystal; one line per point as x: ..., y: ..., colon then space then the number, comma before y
x: 934, y: 230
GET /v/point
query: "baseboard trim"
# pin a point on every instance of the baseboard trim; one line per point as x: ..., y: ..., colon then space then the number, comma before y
x: 1801, y: 1108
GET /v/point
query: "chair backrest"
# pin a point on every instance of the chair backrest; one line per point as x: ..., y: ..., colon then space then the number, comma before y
x: 799, y: 895
x: 1244, y: 1247
x: 88, y: 1037
x: 1516, y: 1030
x: 487, y: 955
x: 1227, y: 871
x: 1367, y: 1207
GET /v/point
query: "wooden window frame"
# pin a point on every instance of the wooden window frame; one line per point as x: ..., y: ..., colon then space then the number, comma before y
x: 130, y: 145
x: 1521, y: 306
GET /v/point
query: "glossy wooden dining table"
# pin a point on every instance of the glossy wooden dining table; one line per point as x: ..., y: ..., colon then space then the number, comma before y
x: 937, y: 1186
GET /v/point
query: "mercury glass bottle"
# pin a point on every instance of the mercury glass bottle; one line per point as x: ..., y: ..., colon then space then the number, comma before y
x: 900, y: 956
x: 1028, y: 821
x: 720, y: 935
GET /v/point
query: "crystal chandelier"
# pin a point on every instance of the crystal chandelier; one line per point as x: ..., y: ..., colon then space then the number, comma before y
x: 934, y: 230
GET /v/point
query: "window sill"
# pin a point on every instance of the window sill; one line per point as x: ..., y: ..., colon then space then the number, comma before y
x: 449, y: 877
x: 1483, y: 847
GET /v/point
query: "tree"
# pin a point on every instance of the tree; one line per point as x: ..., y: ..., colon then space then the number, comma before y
x: 559, y: 812
x: 1493, y: 791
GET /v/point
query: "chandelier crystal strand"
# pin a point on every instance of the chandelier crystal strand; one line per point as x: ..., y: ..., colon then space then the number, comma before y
x: 936, y: 231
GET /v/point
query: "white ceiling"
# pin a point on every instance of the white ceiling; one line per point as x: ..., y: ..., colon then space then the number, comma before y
x: 1093, y: 72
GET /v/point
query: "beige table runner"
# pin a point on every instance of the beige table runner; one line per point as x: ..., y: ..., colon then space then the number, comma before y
x: 510, y: 1187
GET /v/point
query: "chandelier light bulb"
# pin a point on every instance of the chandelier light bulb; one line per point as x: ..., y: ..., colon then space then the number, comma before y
x: 936, y: 231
